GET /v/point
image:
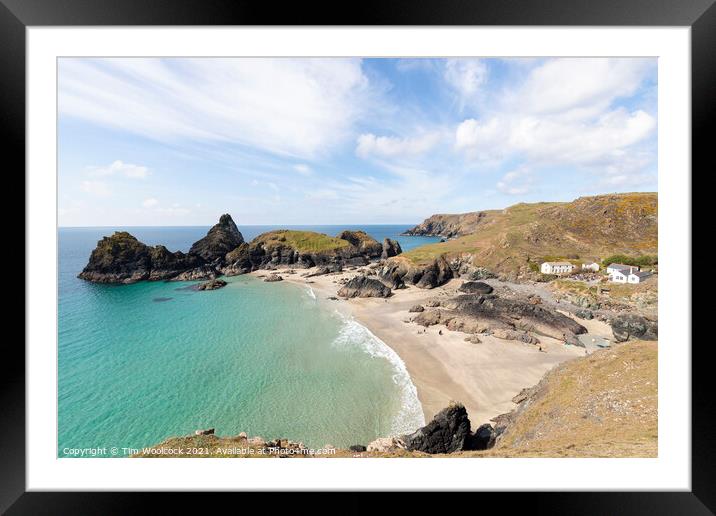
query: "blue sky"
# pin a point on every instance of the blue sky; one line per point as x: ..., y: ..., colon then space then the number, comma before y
x: 346, y: 141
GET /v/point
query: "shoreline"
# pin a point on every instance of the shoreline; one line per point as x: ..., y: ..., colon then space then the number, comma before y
x: 441, y: 364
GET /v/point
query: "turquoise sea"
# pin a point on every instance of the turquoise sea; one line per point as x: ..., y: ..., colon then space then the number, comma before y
x: 140, y: 363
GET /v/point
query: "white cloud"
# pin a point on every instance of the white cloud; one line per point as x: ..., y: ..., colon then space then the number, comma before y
x: 516, y: 182
x: 298, y: 107
x: 119, y: 168
x: 563, y: 114
x: 466, y: 76
x: 303, y: 169
x: 578, y: 86
x: 370, y: 145
x: 96, y: 188
x: 150, y: 203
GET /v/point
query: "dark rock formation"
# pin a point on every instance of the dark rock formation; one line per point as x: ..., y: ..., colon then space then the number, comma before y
x: 448, y: 432
x: 221, y: 239
x: 483, y: 438
x: 362, y: 242
x: 208, y: 431
x: 121, y: 258
x: 362, y: 286
x: 475, y: 287
x: 204, y: 272
x: 515, y: 335
x: 390, y: 248
x: 632, y: 326
x: 398, y: 271
x: 448, y: 225
x: 358, y: 448
x: 211, y: 285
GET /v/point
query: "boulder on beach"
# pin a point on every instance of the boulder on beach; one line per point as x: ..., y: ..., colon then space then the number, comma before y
x: 390, y: 248
x: 475, y: 287
x: 416, y: 308
x: 273, y: 277
x: 362, y: 286
x: 448, y: 432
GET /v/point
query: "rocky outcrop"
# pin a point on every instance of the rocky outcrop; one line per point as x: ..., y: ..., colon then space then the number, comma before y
x: 204, y: 272
x: 475, y: 287
x: 448, y: 225
x: 211, y: 285
x: 362, y: 242
x: 221, y: 239
x: 632, y: 326
x: 483, y: 438
x: 448, y: 432
x: 397, y: 271
x: 362, y: 286
x: 390, y: 248
x: 272, y: 278
x: 121, y: 258
x: 416, y: 309
x: 513, y: 319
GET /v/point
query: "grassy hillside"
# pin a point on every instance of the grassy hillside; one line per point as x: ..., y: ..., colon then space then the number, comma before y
x: 587, y: 228
x: 604, y: 405
x: 303, y: 241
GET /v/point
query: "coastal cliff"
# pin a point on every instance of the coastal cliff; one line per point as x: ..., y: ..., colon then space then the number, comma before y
x: 515, y: 240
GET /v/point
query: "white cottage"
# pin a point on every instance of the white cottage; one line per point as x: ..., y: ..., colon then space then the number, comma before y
x: 619, y: 273
x: 591, y: 266
x: 637, y: 276
x: 556, y: 268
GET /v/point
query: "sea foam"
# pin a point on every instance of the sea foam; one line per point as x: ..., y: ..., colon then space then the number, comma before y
x: 410, y: 416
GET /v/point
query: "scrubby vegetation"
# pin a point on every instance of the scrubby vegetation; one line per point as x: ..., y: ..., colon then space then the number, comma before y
x: 504, y: 240
x: 303, y: 241
x: 639, y: 261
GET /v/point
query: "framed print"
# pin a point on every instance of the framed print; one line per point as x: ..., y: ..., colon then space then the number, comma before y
x: 413, y: 250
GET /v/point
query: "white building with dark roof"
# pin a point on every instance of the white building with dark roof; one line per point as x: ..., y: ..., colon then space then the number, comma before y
x: 638, y: 276
x: 556, y: 268
x: 619, y: 273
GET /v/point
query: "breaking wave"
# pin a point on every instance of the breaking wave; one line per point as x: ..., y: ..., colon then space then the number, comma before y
x: 410, y: 415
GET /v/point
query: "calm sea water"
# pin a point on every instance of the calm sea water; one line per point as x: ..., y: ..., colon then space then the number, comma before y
x: 139, y: 363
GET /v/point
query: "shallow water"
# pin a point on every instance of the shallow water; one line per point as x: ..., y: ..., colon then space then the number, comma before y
x: 139, y: 363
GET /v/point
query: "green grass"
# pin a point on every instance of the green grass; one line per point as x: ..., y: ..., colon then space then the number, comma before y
x: 427, y: 253
x: 303, y: 241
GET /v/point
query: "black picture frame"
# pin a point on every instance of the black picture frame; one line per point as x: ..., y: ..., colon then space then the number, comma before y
x: 16, y: 15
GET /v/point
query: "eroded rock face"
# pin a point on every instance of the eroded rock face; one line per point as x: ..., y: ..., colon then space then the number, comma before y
x: 121, y: 258
x: 448, y: 432
x: 390, y: 248
x: 362, y: 242
x: 221, y: 239
x: 632, y: 326
x: 434, y: 274
x: 483, y: 438
x: 204, y: 272
x: 362, y: 286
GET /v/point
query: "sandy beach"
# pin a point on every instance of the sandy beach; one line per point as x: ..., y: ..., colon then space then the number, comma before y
x: 444, y: 367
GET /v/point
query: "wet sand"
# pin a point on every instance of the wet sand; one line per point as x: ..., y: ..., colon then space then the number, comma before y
x: 484, y: 377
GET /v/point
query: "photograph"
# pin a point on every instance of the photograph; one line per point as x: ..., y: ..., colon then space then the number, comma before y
x: 357, y: 257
